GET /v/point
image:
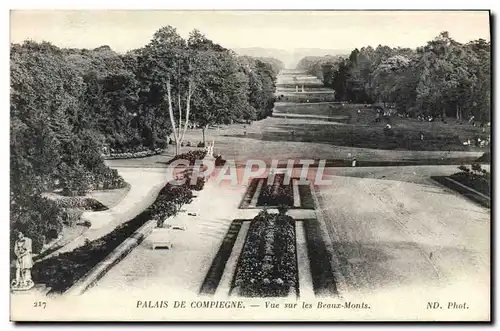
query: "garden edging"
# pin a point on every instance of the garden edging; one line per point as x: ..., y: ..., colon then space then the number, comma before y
x: 340, y: 281
x: 464, y: 190
x: 96, y: 273
x: 470, y: 189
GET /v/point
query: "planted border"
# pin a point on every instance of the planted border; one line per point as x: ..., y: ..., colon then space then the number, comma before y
x: 443, y: 180
x: 250, y: 191
x: 306, y: 199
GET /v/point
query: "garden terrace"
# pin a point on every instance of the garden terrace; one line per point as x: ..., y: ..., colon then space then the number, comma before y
x: 60, y: 272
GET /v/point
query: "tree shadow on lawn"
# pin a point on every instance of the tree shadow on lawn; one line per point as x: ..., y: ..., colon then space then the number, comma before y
x: 365, y: 136
x: 371, y: 266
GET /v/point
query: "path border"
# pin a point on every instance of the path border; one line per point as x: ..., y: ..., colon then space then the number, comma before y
x: 464, y: 190
x: 340, y: 280
x: 118, y: 254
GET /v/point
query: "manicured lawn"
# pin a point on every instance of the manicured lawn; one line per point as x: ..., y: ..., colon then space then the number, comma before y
x: 325, y: 109
x: 306, y: 97
x: 363, y: 131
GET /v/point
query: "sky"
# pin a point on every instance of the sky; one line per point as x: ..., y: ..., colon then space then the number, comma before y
x: 128, y: 29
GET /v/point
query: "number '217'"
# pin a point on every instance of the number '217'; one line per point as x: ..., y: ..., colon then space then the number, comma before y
x: 40, y: 304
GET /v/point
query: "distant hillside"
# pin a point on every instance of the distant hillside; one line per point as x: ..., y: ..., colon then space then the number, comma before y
x: 279, y: 54
x: 289, y: 58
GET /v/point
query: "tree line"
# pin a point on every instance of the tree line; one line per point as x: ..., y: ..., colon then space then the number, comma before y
x: 443, y: 78
x: 68, y: 106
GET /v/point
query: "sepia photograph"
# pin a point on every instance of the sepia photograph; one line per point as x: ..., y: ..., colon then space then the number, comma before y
x: 250, y: 165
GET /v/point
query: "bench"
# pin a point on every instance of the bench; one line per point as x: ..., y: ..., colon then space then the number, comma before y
x: 161, y: 237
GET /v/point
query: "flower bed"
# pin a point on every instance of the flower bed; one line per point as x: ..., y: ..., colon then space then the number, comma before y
x: 191, y: 156
x: 474, y: 177
x: 267, y: 266
x: 132, y: 155
x: 276, y: 194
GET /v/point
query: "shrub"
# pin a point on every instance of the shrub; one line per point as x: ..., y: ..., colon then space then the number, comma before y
x: 219, y: 161
x: 476, y: 167
x: 82, y: 203
x: 463, y: 168
x: 39, y: 219
x: 86, y: 223
x: 71, y: 216
x: 190, y: 156
x: 200, y: 183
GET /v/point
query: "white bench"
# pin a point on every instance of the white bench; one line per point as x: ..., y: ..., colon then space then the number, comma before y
x: 161, y: 237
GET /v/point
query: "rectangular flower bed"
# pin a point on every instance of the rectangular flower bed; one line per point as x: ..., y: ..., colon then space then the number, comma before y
x: 267, y: 266
x: 277, y: 194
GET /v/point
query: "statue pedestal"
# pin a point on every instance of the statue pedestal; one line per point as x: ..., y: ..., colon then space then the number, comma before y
x: 22, y: 286
x: 209, y: 158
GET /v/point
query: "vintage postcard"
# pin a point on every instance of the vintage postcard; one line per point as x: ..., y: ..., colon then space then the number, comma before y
x: 250, y: 165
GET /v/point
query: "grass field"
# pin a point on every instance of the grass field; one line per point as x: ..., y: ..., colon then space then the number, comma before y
x: 363, y: 131
x: 305, y: 97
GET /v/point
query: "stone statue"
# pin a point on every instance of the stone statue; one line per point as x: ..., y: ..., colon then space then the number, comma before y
x: 210, y: 150
x: 209, y: 157
x: 24, y: 263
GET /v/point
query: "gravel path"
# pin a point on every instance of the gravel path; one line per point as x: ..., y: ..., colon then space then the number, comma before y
x: 145, y: 184
x: 402, y: 234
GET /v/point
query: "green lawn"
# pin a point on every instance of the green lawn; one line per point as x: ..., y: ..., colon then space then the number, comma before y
x: 363, y: 131
x: 337, y: 139
x: 305, y: 97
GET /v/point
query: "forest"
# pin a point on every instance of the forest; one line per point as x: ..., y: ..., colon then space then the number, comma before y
x: 443, y: 78
x: 69, y: 107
